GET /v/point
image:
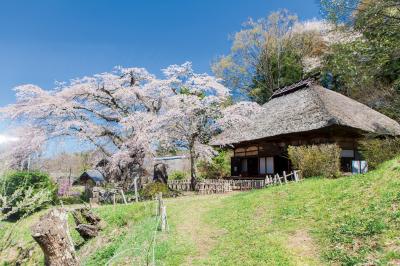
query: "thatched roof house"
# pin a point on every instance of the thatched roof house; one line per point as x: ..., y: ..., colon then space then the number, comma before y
x: 303, y: 113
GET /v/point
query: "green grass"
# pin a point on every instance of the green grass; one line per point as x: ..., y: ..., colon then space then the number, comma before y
x: 350, y: 220
x: 346, y: 221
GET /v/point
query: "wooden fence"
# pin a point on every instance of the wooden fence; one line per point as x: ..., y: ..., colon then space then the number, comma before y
x: 212, y: 186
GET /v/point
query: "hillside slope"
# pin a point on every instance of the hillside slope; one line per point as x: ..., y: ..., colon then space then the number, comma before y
x: 350, y: 220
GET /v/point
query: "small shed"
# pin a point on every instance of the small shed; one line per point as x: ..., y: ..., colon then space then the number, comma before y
x: 91, y: 178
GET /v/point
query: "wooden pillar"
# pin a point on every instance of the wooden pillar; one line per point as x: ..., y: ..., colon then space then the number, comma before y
x: 284, y: 177
x: 164, y: 218
x: 123, y: 196
x: 258, y: 160
x: 136, y: 189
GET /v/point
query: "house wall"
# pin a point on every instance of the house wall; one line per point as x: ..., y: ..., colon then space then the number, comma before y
x: 271, y: 154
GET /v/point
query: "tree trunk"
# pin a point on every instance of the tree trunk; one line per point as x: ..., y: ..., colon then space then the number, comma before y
x: 52, y: 234
x: 160, y: 173
x: 192, y: 168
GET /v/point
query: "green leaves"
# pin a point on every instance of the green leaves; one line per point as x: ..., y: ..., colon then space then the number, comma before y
x: 218, y: 167
x: 376, y: 151
x: 22, y: 193
x: 316, y: 160
x: 367, y: 68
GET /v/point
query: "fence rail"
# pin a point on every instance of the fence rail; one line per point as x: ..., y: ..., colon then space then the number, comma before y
x: 213, y: 186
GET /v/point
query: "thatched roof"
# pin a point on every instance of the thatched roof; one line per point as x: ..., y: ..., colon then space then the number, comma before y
x: 306, y: 106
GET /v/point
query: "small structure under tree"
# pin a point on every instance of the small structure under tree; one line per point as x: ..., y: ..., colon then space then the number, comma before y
x: 91, y: 179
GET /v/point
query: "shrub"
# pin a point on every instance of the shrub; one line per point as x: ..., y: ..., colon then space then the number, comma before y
x: 22, y: 193
x: 218, y: 167
x: 67, y: 200
x: 376, y: 151
x: 152, y: 189
x: 177, y: 175
x: 24, y: 180
x: 316, y: 160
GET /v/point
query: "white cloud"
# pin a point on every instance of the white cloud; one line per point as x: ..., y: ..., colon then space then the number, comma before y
x: 6, y: 139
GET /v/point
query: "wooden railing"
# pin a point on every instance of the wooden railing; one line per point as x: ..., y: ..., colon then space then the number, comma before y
x: 212, y: 186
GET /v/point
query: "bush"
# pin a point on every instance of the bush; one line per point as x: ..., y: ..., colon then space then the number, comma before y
x: 177, y: 175
x: 316, y: 160
x: 69, y: 200
x: 376, y: 151
x: 22, y: 179
x: 218, y: 167
x: 152, y: 189
x: 22, y: 193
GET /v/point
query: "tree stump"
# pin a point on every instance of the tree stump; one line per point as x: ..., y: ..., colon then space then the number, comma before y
x: 87, y: 223
x: 51, y: 233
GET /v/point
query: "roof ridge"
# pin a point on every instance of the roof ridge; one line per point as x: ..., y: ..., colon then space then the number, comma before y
x: 303, y: 83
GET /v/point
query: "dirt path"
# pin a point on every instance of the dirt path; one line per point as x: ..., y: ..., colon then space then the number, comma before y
x: 301, y: 244
x: 190, y: 224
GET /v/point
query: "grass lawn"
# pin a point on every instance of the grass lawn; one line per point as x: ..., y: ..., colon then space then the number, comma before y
x: 346, y: 221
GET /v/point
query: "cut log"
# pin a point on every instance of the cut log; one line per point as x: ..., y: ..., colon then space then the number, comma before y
x: 87, y: 223
x: 52, y: 234
x: 87, y: 231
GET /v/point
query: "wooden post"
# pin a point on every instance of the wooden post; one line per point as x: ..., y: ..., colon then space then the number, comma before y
x: 296, y: 178
x: 136, y: 189
x: 113, y: 197
x: 164, y: 218
x: 160, y: 203
x: 29, y: 163
x: 284, y: 177
x: 279, y: 180
x: 123, y: 196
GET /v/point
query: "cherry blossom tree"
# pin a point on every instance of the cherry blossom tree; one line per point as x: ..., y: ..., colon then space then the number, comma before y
x: 126, y: 113
x: 23, y: 149
x: 99, y: 110
x: 234, y: 119
x: 191, y: 112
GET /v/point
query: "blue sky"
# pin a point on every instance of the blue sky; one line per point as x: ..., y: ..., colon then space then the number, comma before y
x: 43, y: 41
